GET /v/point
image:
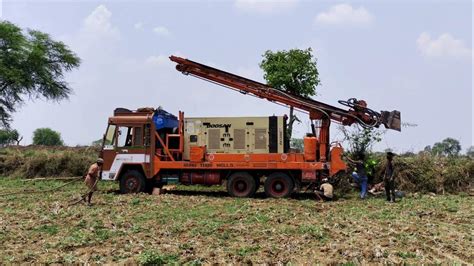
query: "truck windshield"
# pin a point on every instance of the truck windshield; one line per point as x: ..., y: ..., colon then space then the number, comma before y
x: 109, y: 136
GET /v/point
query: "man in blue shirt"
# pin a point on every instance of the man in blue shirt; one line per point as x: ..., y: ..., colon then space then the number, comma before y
x: 360, y: 175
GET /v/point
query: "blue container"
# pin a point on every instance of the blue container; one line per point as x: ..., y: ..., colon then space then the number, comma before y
x: 399, y: 194
x: 163, y: 119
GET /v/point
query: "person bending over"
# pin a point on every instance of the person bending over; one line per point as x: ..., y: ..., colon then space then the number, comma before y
x: 325, y: 191
x: 360, y: 175
x: 92, y: 177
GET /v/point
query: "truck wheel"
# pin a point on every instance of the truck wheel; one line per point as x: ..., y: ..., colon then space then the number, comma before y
x: 279, y: 185
x: 132, y: 181
x: 241, y: 184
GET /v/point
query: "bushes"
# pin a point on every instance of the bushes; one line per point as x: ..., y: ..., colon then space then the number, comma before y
x: 422, y: 173
x: 428, y: 173
x: 38, y: 161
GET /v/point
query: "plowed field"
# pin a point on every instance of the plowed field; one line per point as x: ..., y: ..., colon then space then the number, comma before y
x: 201, y: 225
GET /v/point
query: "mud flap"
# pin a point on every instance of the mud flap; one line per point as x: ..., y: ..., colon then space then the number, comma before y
x: 392, y: 120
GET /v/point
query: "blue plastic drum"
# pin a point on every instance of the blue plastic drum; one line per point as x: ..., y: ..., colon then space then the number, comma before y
x: 163, y: 119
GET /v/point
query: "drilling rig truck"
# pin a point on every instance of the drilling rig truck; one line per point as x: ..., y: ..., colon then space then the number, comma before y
x: 148, y: 147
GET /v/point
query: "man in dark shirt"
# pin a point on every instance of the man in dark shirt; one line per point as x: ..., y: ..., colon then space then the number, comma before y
x: 388, y: 179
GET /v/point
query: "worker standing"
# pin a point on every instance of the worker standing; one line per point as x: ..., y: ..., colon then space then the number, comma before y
x: 389, y: 180
x: 92, y: 177
x: 325, y: 191
x: 360, y: 175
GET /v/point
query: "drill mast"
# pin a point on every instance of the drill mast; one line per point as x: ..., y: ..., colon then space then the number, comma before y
x: 357, y: 113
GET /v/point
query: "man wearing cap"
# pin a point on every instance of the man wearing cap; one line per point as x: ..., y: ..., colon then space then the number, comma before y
x: 325, y: 191
x: 389, y: 180
x: 92, y: 177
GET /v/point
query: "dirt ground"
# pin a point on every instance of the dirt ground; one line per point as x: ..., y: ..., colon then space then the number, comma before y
x: 201, y: 225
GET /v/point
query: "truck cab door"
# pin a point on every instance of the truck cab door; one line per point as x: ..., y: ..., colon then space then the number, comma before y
x: 124, y: 145
x: 108, y: 150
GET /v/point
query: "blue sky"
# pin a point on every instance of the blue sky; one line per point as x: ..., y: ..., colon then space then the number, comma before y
x: 413, y: 56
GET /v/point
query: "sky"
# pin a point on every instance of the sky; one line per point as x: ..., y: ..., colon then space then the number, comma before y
x: 412, y: 56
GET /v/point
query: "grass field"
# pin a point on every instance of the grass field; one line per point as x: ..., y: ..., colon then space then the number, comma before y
x: 197, y: 225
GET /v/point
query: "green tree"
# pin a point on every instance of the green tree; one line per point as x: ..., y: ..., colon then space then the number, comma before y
x: 427, y: 149
x: 470, y: 152
x: 47, y: 137
x: 360, y: 140
x: 297, y: 144
x: 447, y: 147
x: 32, y: 65
x: 9, y: 137
x: 294, y: 71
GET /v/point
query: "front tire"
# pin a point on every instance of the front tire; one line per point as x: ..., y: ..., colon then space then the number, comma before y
x: 241, y: 185
x: 132, y: 181
x: 279, y: 185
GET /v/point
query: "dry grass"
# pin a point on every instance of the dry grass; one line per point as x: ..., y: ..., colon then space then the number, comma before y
x: 198, y: 225
x: 427, y: 173
x: 421, y: 173
x: 40, y: 161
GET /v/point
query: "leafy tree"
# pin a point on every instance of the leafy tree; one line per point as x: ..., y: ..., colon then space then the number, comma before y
x: 447, y: 147
x: 297, y: 144
x: 31, y: 65
x: 427, y: 149
x: 292, y: 71
x: 9, y: 137
x: 5, y: 137
x: 361, y: 140
x: 47, y: 137
x: 470, y: 152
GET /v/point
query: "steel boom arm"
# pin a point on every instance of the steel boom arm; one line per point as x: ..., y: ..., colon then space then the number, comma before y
x: 358, y: 111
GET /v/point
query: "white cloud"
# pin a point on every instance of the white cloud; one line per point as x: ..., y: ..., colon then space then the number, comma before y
x: 158, y: 60
x: 444, y: 45
x: 138, y: 26
x: 97, y: 36
x: 265, y: 6
x: 162, y: 60
x: 344, y: 14
x: 98, y: 23
x: 161, y: 31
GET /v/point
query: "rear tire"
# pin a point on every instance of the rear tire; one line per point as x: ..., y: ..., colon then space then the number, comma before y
x: 241, y: 185
x: 279, y: 185
x: 132, y: 181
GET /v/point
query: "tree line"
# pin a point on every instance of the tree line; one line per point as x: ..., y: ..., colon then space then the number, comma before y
x: 41, y: 136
